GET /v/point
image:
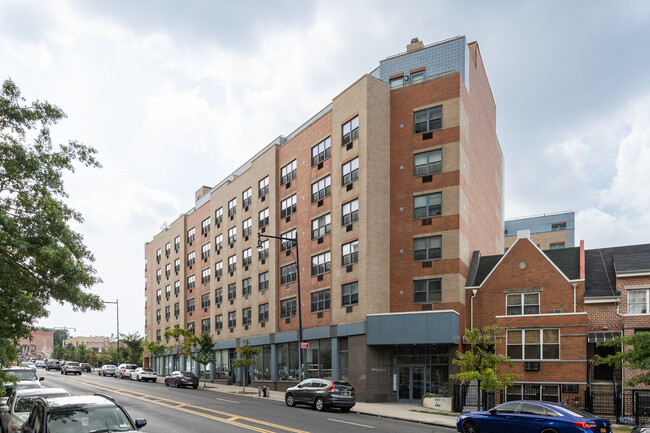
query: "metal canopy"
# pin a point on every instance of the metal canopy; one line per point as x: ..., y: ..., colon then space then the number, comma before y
x: 600, y: 336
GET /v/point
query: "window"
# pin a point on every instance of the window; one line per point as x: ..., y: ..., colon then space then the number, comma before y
x: 350, y: 253
x: 232, y: 207
x: 190, y: 327
x: 218, y: 295
x: 350, y: 171
x: 205, y: 300
x: 320, y: 264
x: 248, y: 227
x: 177, y: 265
x: 321, y: 189
x: 321, y: 151
x: 177, y: 309
x: 397, y: 82
x: 205, y: 325
x: 350, y: 294
x: 232, y: 263
x: 158, y: 275
x: 320, y: 226
x: 263, y: 280
x: 205, y: 251
x: 288, y: 274
x: 286, y: 245
x: 246, y: 316
x: 288, y: 307
x: 288, y: 206
x: 264, y: 218
x: 190, y: 282
x: 168, y: 270
x: 246, y: 286
x: 427, y: 120
x: 218, y: 322
x: 205, y: 225
x: 232, y: 235
x: 557, y: 245
x: 177, y: 287
x: 218, y: 243
x: 168, y: 249
x: 320, y: 301
x: 427, y: 163
x: 158, y: 255
x: 218, y: 269
x: 264, y: 187
x: 177, y: 243
x: 232, y: 319
x: 265, y: 250
x: 218, y: 216
x: 232, y: 291
x: 350, y: 212
x: 425, y: 206
x: 428, y: 248
x: 248, y: 256
x: 263, y: 313
x: 350, y: 131
x: 288, y: 172
x: 417, y: 77
x: 190, y: 258
x: 522, y: 303
x: 535, y: 344
x: 168, y: 291
x: 534, y: 391
x: 637, y: 302
x: 158, y: 316
x: 158, y: 295
x: 427, y: 291
x: 205, y: 275
x: 190, y: 305
x: 158, y: 335
x: 558, y: 226
x: 247, y: 197
x: 190, y: 235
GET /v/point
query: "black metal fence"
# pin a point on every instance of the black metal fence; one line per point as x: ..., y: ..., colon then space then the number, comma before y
x: 466, y: 398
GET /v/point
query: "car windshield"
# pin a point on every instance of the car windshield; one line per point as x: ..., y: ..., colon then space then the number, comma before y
x: 89, y: 420
x: 25, y: 404
x: 26, y: 374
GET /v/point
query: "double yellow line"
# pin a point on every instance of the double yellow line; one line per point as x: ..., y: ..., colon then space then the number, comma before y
x: 216, y: 415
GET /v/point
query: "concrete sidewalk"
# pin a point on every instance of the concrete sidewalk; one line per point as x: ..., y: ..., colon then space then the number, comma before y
x: 401, y: 411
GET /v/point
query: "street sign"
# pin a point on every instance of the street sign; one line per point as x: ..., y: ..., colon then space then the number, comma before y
x: 304, y: 345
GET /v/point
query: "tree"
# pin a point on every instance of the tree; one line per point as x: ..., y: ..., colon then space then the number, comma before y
x: 183, y: 343
x: 81, y: 354
x: 635, y: 355
x: 155, y: 348
x: 58, y: 352
x: 134, y: 345
x: 60, y: 335
x: 204, y: 353
x: 481, y: 363
x: 41, y: 258
x: 245, y: 359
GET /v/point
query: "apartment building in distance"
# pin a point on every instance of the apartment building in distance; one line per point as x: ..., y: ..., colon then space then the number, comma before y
x: 387, y: 190
x: 548, y: 231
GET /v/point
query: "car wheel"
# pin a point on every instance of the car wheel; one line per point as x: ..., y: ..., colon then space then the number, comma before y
x: 289, y: 400
x: 176, y: 384
x: 319, y: 404
x: 469, y: 426
x: 345, y: 409
x: 195, y: 386
x: 549, y: 430
x: 166, y: 383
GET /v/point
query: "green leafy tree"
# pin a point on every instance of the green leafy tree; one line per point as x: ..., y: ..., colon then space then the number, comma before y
x: 81, y: 353
x: 134, y: 345
x: 60, y: 335
x: 480, y: 362
x: 182, y: 342
x: 155, y: 348
x: 58, y: 352
x: 245, y: 359
x: 635, y: 355
x: 41, y: 258
x: 204, y: 353
x: 70, y: 352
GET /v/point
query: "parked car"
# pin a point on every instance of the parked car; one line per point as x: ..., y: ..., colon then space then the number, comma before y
x: 182, y: 378
x: 645, y: 428
x: 86, y: 367
x: 11, y: 387
x: 40, y: 363
x: 29, y: 364
x: 71, y: 367
x: 107, y: 370
x: 123, y: 371
x: 88, y: 413
x: 22, y: 373
x: 53, y: 364
x: 321, y: 394
x: 532, y: 417
x: 144, y: 374
x: 16, y: 411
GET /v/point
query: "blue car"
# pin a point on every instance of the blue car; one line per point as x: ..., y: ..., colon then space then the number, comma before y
x: 532, y: 417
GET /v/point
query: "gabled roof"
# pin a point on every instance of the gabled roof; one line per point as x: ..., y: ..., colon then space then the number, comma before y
x: 603, y: 264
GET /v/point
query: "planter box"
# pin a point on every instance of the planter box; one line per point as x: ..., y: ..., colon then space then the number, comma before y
x: 443, y: 404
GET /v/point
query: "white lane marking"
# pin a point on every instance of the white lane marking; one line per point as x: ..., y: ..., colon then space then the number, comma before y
x: 348, y: 422
x: 229, y: 401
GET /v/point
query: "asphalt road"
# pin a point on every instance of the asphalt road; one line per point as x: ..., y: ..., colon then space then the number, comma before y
x: 169, y: 409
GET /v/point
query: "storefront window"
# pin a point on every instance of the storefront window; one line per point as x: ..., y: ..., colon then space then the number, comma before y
x: 288, y: 361
x: 343, y: 358
x: 262, y: 367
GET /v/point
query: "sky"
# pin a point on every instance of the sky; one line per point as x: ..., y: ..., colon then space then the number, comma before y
x: 175, y: 95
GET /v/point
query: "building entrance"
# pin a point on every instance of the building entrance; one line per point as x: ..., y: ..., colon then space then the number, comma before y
x: 411, y: 382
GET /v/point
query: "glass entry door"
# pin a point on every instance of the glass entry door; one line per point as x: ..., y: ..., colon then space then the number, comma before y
x: 411, y: 380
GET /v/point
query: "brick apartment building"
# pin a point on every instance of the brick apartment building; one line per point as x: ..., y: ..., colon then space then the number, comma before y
x: 388, y: 190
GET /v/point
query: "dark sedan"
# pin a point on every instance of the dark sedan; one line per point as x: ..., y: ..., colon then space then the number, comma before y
x: 321, y: 394
x: 532, y: 417
x: 182, y: 378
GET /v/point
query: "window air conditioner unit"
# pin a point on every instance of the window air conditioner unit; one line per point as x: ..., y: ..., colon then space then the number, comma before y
x: 531, y: 366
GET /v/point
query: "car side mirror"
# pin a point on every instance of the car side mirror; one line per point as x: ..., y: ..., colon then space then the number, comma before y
x: 140, y: 422
x: 41, y: 378
x: 492, y: 411
x: 4, y: 408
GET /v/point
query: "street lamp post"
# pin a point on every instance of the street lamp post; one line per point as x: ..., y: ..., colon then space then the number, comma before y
x: 117, y: 304
x: 293, y: 241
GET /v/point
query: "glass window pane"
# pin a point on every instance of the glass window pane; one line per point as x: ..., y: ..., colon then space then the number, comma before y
x: 551, y: 336
x: 531, y: 298
x: 532, y: 336
x: 514, y: 337
x: 513, y: 300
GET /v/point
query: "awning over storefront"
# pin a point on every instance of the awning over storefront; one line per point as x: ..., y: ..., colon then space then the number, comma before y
x: 600, y: 336
x: 427, y: 327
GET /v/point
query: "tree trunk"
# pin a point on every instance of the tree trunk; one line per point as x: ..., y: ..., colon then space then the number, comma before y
x: 243, y: 381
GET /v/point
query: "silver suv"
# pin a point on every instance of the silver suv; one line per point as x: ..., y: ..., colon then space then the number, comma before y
x: 124, y: 371
x: 71, y: 367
